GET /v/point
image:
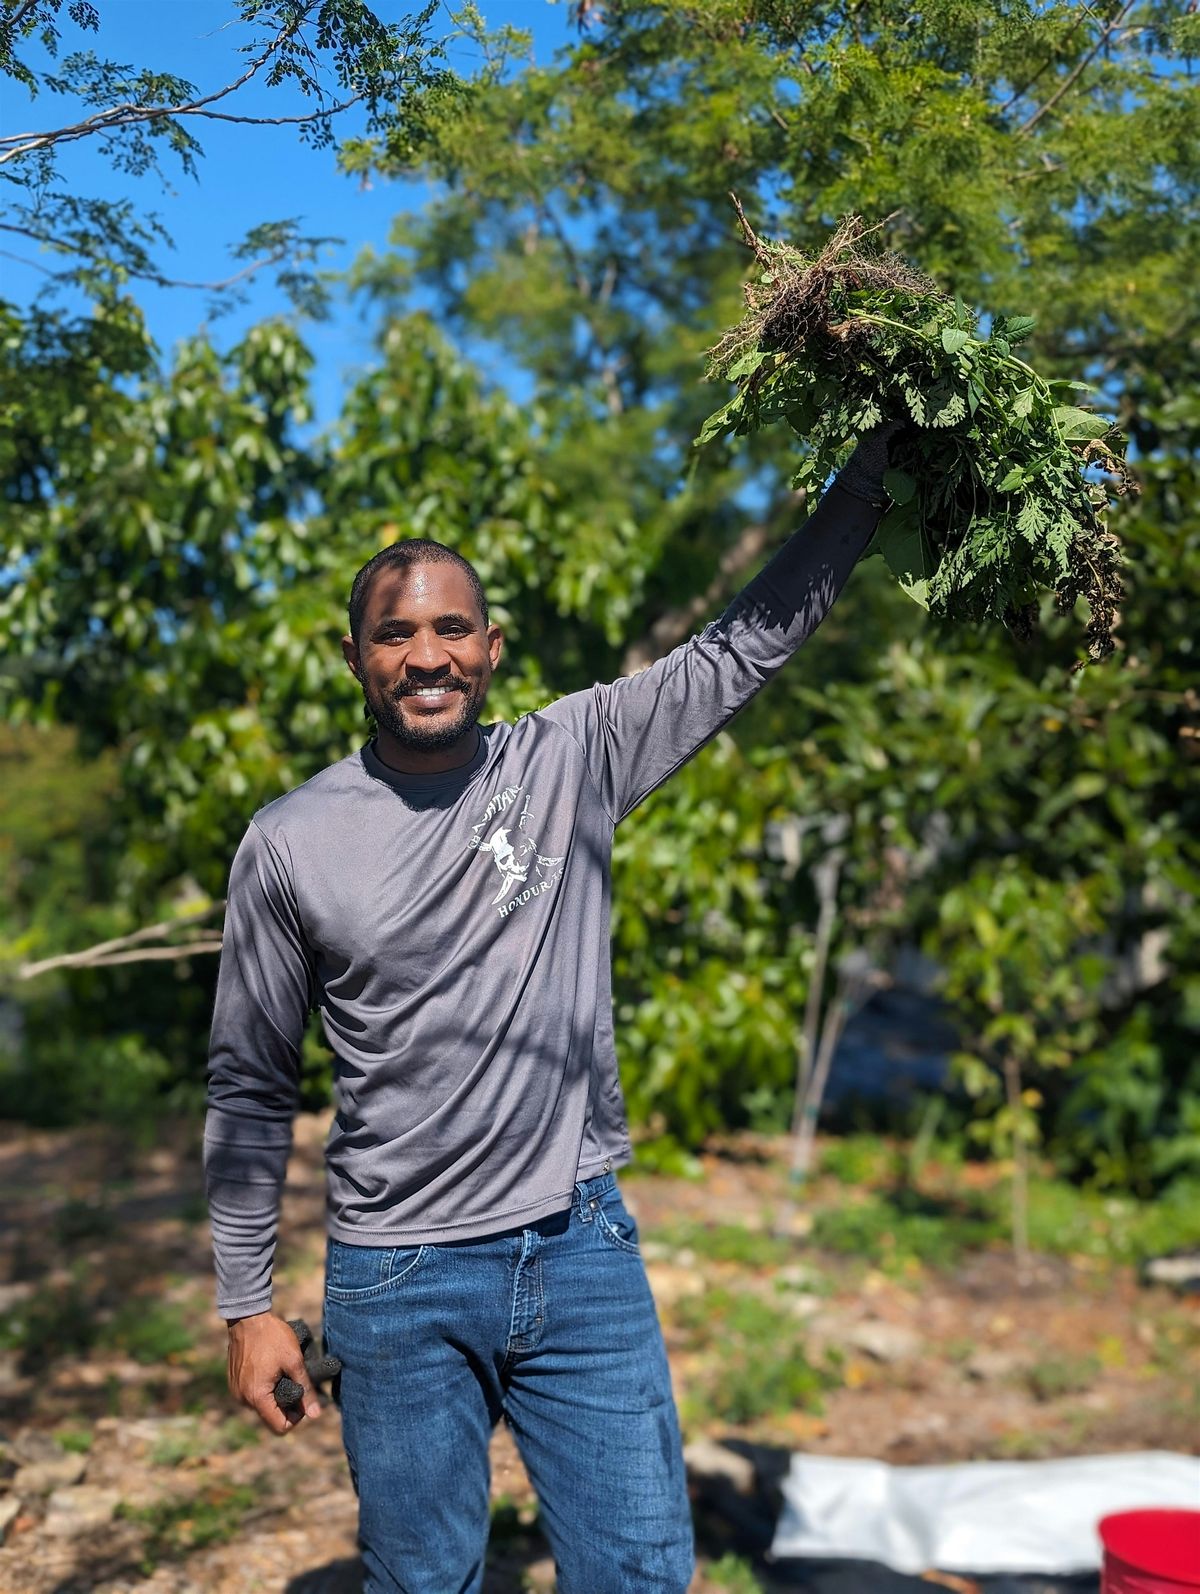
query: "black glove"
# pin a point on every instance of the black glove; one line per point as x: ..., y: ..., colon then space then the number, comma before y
x: 862, y: 474
x: 288, y: 1394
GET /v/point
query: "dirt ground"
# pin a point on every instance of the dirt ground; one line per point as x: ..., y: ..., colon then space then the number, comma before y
x: 124, y: 1464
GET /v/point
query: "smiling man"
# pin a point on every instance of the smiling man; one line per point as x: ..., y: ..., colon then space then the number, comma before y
x: 441, y: 897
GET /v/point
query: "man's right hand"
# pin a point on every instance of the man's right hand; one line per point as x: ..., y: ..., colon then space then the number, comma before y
x: 262, y: 1349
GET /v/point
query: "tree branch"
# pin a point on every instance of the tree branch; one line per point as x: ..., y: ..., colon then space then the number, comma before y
x: 129, y: 115
x: 117, y: 950
x: 1110, y: 28
x: 1020, y: 93
x: 155, y: 277
x: 10, y: 25
x: 671, y: 627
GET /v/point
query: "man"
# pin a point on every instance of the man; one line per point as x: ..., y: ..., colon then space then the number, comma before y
x: 442, y: 896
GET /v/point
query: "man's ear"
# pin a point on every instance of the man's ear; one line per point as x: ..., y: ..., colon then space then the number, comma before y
x: 495, y: 638
x: 350, y: 654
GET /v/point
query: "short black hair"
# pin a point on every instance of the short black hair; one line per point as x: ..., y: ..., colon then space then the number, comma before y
x: 406, y: 553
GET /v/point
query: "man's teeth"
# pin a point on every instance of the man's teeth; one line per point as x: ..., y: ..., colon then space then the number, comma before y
x: 430, y: 691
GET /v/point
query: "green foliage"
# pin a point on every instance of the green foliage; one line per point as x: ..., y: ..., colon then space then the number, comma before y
x: 990, y: 497
x: 329, y: 55
x: 734, y: 1574
x: 52, y: 1323
x: 1056, y: 1376
x: 903, y: 1231
x: 763, y: 1368
x: 725, y: 1242
x: 189, y: 1439
x: 176, y: 569
x: 75, y: 1441
x: 900, y: 1226
x: 65, y: 1320
x: 152, y: 1332
x: 177, y: 1527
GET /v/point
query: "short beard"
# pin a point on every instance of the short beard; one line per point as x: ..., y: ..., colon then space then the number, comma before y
x: 386, y: 713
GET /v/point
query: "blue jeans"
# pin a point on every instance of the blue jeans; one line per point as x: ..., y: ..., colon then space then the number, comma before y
x: 552, y: 1327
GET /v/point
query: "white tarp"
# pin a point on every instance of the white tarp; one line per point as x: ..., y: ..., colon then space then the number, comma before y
x: 977, y: 1516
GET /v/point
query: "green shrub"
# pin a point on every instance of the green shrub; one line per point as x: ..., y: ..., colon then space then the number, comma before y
x: 895, y: 1232
x: 762, y: 1367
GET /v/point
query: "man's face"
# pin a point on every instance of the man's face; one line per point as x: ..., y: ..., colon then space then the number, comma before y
x: 424, y: 657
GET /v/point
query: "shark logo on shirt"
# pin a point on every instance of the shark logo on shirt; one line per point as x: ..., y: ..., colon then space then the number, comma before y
x: 525, y: 872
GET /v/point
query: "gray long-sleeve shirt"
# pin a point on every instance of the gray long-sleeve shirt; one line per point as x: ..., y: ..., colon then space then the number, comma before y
x: 453, y: 932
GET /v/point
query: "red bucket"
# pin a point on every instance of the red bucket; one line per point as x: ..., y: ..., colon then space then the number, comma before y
x: 1150, y: 1552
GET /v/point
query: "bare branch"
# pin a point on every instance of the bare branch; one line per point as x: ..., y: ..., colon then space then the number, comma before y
x: 1020, y: 93
x: 117, y: 950
x: 671, y: 627
x: 152, y: 954
x: 118, y: 116
x: 282, y: 121
x: 1110, y: 28
x: 24, y: 260
x: 155, y: 277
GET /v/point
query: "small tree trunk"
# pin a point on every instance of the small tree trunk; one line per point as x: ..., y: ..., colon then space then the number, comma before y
x: 1020, y: 1179
x: 807, y: 1050
x: 831, y: 1033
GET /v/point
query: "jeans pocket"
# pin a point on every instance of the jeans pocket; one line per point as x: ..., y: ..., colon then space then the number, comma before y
x: 364, y: 1272
x: 615, y: 1223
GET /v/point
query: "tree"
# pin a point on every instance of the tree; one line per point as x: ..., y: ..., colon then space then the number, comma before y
x: 1033, y: 160
x: 584, y: 230
x: 334, y: 55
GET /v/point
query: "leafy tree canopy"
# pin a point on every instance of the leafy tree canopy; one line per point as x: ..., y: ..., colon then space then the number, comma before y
x: 177, y: 565
x: 333, y: 55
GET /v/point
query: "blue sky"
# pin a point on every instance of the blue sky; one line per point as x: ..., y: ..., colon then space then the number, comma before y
x: 247, y: 175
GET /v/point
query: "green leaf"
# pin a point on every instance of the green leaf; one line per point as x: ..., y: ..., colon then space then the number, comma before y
x: 1023, y: 403
x: 1015, y: 478
x: 901, y: 487
x: 946, y: 404
x: 1078, y: 425
x: 720, y: 421
x: 916, y: 404
x: 746, y: 365
x: 901, y: 541
x: 954, y: 339
x: 1016, y: 328
x: 1031, y: 521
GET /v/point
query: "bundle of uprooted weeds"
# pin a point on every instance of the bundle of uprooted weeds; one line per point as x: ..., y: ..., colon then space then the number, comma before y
x: 997, y: 488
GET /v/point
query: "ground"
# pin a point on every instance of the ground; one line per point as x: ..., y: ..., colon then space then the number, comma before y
x: 881, y: 1316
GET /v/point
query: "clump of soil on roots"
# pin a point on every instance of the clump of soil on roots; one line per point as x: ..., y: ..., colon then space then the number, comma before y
x: 801, y: 300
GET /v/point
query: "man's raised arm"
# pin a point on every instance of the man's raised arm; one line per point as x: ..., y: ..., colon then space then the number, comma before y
x: 638, y: 730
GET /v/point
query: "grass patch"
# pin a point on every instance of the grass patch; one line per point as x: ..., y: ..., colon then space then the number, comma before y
x: 760, y: 1367
x: 175, y: 1528
x: 735, y: 1575
x: 906, y: 1230
x: 190, y: 1439
x: 1056, y: 1376
x: 725, y: 1242
x: 859, y: 1160
x: 83, y: 1220
x: 51, y: 1324
x: 76, y: 1441
x: 1069, y: 1221
x: 57, y: 1323
x: 903, y: 1227
x: 149, y: 1331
